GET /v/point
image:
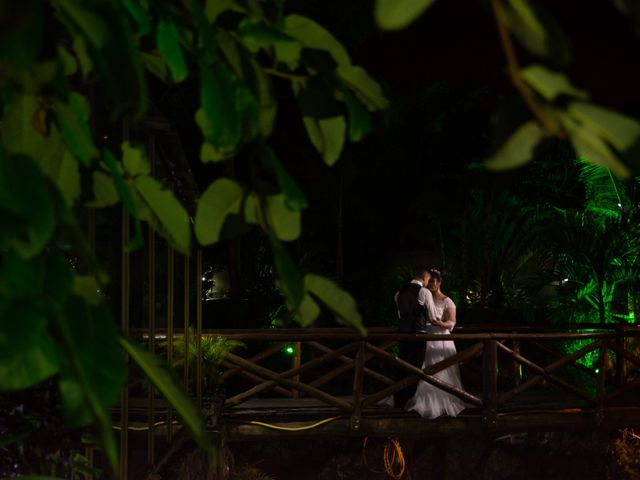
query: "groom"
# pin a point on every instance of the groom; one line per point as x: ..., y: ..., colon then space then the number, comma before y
x: 416, y: 310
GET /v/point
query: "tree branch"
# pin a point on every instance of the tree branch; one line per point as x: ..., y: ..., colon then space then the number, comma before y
x: 548, y: 122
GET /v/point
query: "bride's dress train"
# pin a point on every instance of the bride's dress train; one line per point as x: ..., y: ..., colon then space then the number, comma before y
x: 429, y: 401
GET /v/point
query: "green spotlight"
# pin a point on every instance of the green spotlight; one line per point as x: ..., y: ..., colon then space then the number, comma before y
x: 289, y: 349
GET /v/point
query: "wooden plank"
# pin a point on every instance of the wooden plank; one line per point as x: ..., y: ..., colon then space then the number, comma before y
x: 417, y: 374
x: 266, y: 373
x: 543, y: 372
x: 286, y: 374
x: 257, y: 358
x: 348, y: 366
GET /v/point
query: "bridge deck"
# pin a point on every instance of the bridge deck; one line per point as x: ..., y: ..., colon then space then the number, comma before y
x: 538, y: 410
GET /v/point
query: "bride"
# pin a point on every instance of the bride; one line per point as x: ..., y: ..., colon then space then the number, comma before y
x: 429, y: 401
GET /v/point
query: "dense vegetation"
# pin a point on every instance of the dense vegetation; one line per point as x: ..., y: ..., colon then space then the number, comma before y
x: 276, y: 98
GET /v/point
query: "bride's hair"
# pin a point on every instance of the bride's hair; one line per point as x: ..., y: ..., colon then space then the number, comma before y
x: 437, y: 274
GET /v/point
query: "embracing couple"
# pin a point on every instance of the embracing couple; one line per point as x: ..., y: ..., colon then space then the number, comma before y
x: 423, y: 308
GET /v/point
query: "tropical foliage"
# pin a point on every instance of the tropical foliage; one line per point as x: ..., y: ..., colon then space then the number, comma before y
x: 52, y: 55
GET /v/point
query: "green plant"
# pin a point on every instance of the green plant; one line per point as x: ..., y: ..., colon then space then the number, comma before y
x: 214, y: 350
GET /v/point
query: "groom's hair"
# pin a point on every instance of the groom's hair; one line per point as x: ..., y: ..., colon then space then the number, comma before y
x: 419, y: 272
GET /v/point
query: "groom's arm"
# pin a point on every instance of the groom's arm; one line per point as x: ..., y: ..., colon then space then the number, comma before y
x: 426, y: 299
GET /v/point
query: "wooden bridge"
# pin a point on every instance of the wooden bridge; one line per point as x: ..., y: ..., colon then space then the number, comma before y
x: 335, y: 382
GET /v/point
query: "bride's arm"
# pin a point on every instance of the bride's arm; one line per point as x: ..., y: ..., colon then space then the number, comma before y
x: 448, y: 318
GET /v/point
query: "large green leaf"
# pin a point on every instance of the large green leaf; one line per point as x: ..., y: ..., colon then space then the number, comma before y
x: 537, y: 31
x: 256, y: 35
x: 285, y: 223
x: 327, y: 135
x: 619, y: 130
x: 157, y: 372
x: 222, y: 198
x: 171, y: 214
x: 93, y: 336
x: 223, y: 121
x: 168, y: 42
x: 295, y: 197
x: 104, y: 190
x: 518, y: 150
x: 73, y: 120
x: 290, y: 278
x: 268, y: 106
x: 312, y: 35
x: 31, y: 365
x: 106, y: 34
x: 21, y: 116
x: 550, y: 84
x: 213, y: 8
x: 125, y: 195
x: 93, y: 369
x: 307, y: 311
x: 523, y: 22
x: 139, y: 14
x: 366, y: 89
x: 25, y: 197
x: 135, y: 160
x: 397, y: 14
x: 341, y: 303
x: 21, y: 36
x: 592, y: 148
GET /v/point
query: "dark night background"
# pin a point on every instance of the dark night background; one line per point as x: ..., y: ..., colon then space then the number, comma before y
x: 399, y: 197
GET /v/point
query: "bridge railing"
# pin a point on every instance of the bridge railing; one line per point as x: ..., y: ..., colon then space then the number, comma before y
x: 589, y: 369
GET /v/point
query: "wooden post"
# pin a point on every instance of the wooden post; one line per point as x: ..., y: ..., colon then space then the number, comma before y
x: 297, y: 358
x: 490, y: 381
x: 621, y: 364
x: 517, y: 366
x: 600, y: 386
x: 358, y: 377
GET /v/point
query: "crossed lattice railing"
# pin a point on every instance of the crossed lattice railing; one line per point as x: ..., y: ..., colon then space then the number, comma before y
x: 339, y: 368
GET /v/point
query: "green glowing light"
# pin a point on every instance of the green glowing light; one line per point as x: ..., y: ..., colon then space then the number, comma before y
x: 289, y: 350
x: 597, y: 370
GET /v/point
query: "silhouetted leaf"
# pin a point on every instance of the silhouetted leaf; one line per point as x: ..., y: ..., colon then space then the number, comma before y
x: 397, y: 14
x: 341, y: 303
x: 518, y: 150
x: 222, y: 198
x: 590, y: 146
x: 550, y: 84
x: 619, y: 130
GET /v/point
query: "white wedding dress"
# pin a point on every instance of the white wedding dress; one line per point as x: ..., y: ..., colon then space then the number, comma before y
x: 429, y: 401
